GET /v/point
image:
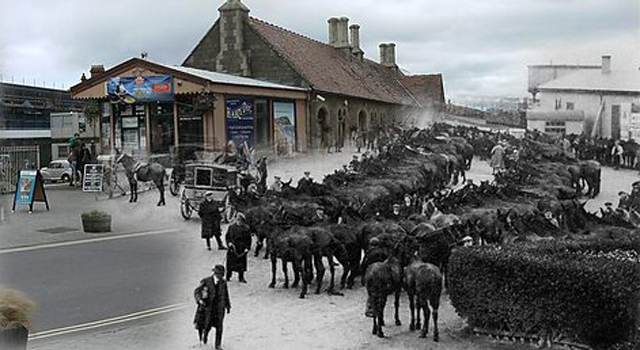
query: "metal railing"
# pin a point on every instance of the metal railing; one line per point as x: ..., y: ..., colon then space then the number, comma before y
x: 12, y: 160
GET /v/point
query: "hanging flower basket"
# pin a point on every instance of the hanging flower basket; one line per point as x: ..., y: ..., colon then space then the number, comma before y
x: 96, y: 222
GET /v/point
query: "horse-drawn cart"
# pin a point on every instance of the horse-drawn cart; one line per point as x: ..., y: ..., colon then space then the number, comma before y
x: 201, y: 178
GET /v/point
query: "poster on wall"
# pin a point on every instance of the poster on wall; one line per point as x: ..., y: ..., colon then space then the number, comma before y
x: 284, y: 127
x: 130, y: 90
x: 240, y: 121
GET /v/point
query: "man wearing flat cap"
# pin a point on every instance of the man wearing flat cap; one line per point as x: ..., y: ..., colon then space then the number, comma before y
x: 209, y: 212
x: 215, y: 303
x: 305, y: 184
x: 277, y: 184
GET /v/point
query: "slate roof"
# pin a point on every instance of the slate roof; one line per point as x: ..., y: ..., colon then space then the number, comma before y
x: 595, y: 80
x: 426, y: 88
x: 328, y: 69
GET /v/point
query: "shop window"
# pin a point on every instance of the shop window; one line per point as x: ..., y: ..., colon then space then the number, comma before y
x: 63, y: 151
x: 558, y: 104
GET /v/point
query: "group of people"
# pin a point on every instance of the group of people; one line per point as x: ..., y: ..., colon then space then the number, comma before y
x: 79, y: 155
x: 212, y: 295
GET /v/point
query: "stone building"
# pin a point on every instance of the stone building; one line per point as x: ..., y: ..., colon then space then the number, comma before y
x: 349, y: 93
x: 279, y: 91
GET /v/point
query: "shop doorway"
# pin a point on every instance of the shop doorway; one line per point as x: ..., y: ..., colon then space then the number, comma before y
x: 190, y: 125
x: 321, y: 129
x: 162, y: 130
x: 362, y: 121
x: 263, y: 125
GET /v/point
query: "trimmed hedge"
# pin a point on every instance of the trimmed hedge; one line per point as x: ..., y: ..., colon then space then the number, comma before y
x: 549, y: 289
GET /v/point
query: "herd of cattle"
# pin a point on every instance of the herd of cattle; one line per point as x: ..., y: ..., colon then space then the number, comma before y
x: 350, y: 218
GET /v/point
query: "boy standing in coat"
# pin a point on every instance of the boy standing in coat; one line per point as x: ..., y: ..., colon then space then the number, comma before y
x: 216, y: 303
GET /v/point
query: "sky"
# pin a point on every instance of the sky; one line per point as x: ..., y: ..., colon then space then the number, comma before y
x: 482, y: 47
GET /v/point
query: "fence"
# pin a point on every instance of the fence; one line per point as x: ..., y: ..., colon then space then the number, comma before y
x: 12, y: 160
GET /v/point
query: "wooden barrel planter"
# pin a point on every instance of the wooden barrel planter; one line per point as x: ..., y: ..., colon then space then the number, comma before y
x: 96, y: 222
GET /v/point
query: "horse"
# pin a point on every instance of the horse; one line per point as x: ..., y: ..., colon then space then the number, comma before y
x: 424, y: 281
x: 136, y: 171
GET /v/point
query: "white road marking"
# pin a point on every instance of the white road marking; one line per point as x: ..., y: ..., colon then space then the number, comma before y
x: 86, y: 241
x: 107, y: 322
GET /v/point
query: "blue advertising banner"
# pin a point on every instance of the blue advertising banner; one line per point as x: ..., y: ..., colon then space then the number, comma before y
x: 141, y: 89
x: 26, y: 187
x: 285, y: 127
x: 240, y: 121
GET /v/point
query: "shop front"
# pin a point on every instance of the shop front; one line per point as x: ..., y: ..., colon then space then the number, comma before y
x: 148, y: 109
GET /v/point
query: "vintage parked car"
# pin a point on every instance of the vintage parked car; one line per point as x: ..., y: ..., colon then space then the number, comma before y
x: 58, y: 170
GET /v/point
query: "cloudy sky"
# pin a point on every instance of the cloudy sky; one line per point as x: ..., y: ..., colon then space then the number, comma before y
x: 482, y: 47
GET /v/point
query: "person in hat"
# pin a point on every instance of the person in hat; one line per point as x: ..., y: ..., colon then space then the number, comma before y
x: 212, y: 295
x: 209, y: 212
x: 320, y: 217
x: 239, y: 242
x: 305, y: 184
x: 623, y: 200
x: 277, y: 184
x: 395, y: 214
x: 407, y: 209
x: 497, y: 157
x: 608, y: 209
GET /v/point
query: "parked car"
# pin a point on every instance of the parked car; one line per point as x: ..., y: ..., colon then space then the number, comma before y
x: 58, y: 170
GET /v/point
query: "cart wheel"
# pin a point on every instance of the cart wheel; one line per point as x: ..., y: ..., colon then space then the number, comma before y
x: 174, y: 185
x: 185, y: 208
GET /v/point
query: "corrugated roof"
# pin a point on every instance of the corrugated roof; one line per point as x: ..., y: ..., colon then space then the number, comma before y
x: 222, y: 78
x: 595, y: 80
x: 555, y: 115
x: 327, y: 69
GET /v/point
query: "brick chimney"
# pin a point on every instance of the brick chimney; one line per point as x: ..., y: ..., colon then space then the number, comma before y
x: 355, y: 42
x: 96, y: 70
x: 606, y: 64
x: 232, y: 57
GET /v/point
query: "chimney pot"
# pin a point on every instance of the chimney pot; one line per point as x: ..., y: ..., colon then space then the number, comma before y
x: 606, y: 64
x: 383, y: 54
x: 355, y: 41
x: 333, y: 31
x: 96, y: 70
x: 343, y: 33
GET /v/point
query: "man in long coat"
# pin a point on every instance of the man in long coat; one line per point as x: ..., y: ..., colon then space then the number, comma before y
x: 239, y: 242
x: 305, y: 184
x: 497, y: 157
x: 209, y: 212
x: 215, y: 303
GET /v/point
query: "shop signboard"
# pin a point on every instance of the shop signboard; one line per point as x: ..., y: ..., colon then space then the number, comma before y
x: 141, y: 89
x: 29, y: 189
x: 240, y: 114
x: 93, y: 176
x: 285, y: 127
